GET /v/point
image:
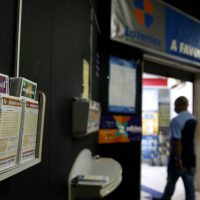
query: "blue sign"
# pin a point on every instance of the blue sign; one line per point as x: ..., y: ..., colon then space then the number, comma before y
x: 149, y: 146
x: 153, y: 25
x: 183, y: 35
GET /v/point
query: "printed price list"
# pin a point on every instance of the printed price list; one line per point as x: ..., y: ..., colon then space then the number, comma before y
x: 10, y: 119
x: 29, y: 130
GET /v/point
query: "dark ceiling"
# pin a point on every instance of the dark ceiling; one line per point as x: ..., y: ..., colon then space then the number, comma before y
x: 191, y: 7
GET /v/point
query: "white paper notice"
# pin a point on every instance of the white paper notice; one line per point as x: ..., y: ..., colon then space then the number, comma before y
x: 122, y: 86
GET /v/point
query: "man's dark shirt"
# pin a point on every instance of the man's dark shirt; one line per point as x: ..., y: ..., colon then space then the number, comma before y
x: 183, y: 127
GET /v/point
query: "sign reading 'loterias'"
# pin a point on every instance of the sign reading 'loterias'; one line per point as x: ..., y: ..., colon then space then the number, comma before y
x: 154, y: 26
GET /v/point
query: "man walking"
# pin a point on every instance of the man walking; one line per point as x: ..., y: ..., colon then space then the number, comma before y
x: 182, y: 159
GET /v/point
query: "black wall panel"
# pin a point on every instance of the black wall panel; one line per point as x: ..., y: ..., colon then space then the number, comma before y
x: 7, y: 36
x: 127, y: 154
x: 55, y: 37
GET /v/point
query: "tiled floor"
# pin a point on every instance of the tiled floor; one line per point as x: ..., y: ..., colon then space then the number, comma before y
x: 153, y: 181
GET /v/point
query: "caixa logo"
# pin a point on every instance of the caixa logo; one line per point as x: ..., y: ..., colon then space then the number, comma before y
x: 143, y: 12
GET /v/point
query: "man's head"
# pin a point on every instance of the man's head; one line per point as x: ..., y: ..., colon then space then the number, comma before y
x: 181, y: 104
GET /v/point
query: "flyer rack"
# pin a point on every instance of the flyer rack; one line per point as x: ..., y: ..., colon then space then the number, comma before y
x: 39, y: 140
x: 85, y: 117
x: 93, y: 176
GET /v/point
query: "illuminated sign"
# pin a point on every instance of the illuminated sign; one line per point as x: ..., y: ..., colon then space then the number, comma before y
x: 152, y: 25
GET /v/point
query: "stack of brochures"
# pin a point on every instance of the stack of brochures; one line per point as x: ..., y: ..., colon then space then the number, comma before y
x: 27, y: 147
x: 22, y: 87
x: 18, y: 121
x: 4, y: 84
x: 10, y: 121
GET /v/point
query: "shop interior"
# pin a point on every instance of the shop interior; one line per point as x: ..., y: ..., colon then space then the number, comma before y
x: 159, y: 93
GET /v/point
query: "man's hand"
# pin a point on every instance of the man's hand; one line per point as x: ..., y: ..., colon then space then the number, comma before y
x: 179, y: 166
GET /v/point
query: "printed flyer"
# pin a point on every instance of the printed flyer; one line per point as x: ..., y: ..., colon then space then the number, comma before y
x: 119, y: 128
x: 29, y: 130
x: 28, y: 89
x: 10, y: 119
x: 4, y: 84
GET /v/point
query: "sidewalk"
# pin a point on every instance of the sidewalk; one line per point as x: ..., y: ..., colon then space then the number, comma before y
x: 153, y: 180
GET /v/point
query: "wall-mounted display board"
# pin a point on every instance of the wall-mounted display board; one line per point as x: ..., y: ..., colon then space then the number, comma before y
x: 156, y: 27
x: 122, y: 86
x: 21, y: 129
x: 20, y: 150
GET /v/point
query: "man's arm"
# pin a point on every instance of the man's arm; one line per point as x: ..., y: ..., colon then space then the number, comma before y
x: 177, y: 147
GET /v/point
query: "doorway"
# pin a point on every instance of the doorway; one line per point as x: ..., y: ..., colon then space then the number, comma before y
x: 161, y: 86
